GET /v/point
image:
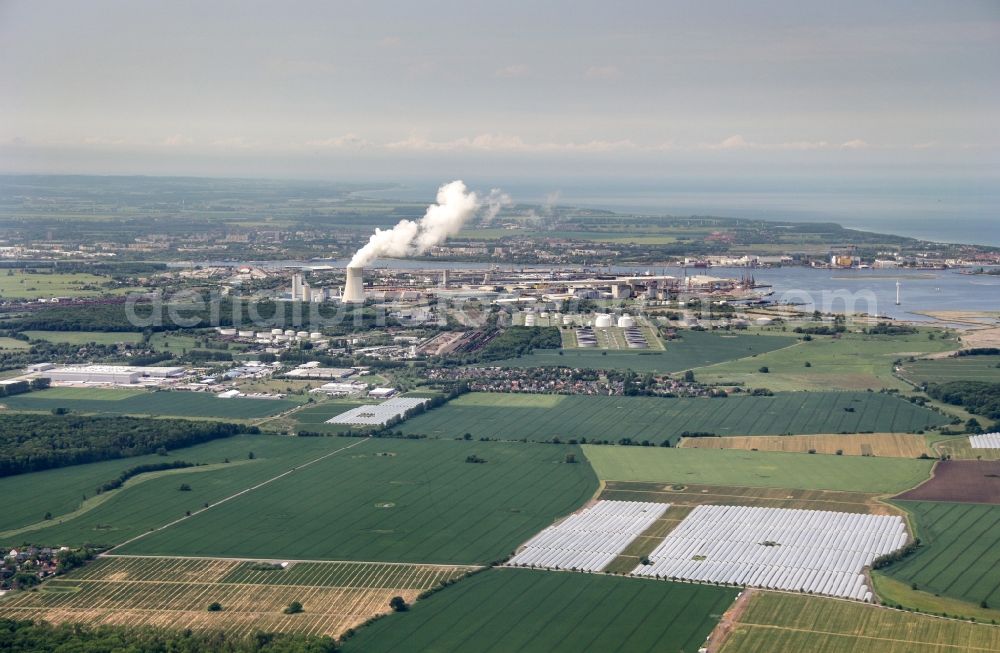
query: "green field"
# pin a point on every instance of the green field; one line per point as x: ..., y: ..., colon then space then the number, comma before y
x: 13, y: 343
x: 144, y: 505
x: 694, y: 349
x: 784, y: 622
x: 392, y: 500
x: 851, y: 362
x: 86, y: 337
x: 943, y: 370
x: 543, y: 417
x: 158, y: 403
x: 960, y: 556
x: 756, y: 468
x: 543, y: 611
x: 17, y: 284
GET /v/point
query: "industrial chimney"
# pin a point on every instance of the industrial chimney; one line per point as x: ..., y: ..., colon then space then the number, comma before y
x: 354, y: 292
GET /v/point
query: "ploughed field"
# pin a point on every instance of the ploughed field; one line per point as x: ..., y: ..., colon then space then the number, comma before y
x: 176, y: 593
x: 174, y: 403
x: 542, y: 611
x: 971, y: 481
x: 657, y: 419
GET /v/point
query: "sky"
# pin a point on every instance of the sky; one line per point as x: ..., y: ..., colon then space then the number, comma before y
x: 770, y: 89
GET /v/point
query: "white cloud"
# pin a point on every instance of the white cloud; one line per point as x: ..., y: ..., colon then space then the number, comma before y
x: 504, y: 143
x: 390, y: 41
x: 735, y: 142
x: 603, y: 72
x: 177, y: 140
x: 335, y: 142
x: 236, y: 143
x: 514, y: 70
x: 856, y: 144
x: 738, y: 142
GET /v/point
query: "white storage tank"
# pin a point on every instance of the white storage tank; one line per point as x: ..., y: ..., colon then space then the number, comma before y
x: 626, y: 321
x: 227, y: 332
x: 602, y: 321
x: 246, y: 334
x: 315, y: 335
x: 302, y: 334
x: 263, y: 335
x: 276, y: 332
x: 289, y: 332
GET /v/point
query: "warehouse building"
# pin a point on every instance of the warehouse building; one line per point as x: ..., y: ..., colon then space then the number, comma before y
x: 112, y: 374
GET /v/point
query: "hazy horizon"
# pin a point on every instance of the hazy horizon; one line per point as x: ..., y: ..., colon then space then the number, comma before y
x: 858, y: 112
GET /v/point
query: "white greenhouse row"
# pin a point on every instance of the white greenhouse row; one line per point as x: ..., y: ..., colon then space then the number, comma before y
x: 377, y: 414
x: 815, y: 551
x: 590, y: 539
x: 985, y: 441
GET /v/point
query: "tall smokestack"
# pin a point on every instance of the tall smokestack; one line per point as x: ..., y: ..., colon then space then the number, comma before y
x: 354, y: 291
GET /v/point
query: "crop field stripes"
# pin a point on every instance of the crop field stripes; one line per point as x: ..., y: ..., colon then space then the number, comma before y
x: 238, y: 494
x: 695, y: 495
x: 175, y: 593
x: 779, y: 621
x: 819, y: 552
x: 590, y: 539
x: 897, y: 445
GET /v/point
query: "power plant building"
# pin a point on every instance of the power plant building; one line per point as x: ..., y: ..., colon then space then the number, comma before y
x: 354, y: 290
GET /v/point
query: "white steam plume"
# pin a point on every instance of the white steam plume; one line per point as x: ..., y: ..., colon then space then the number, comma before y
x: 496, y: 201
x: 455, y: 204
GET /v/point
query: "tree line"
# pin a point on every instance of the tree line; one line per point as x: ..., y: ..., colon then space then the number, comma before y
x: 30, y: 443
x: 29, y: 636
x: 979, y: 397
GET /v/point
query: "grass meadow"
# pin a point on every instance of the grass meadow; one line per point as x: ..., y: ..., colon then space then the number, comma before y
x: 943, y: 370
x: 86, y: 337
x: 851, y: 362
x: 756, y: 468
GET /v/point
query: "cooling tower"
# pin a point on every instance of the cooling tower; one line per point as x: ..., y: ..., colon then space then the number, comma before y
x: 354, y: 291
